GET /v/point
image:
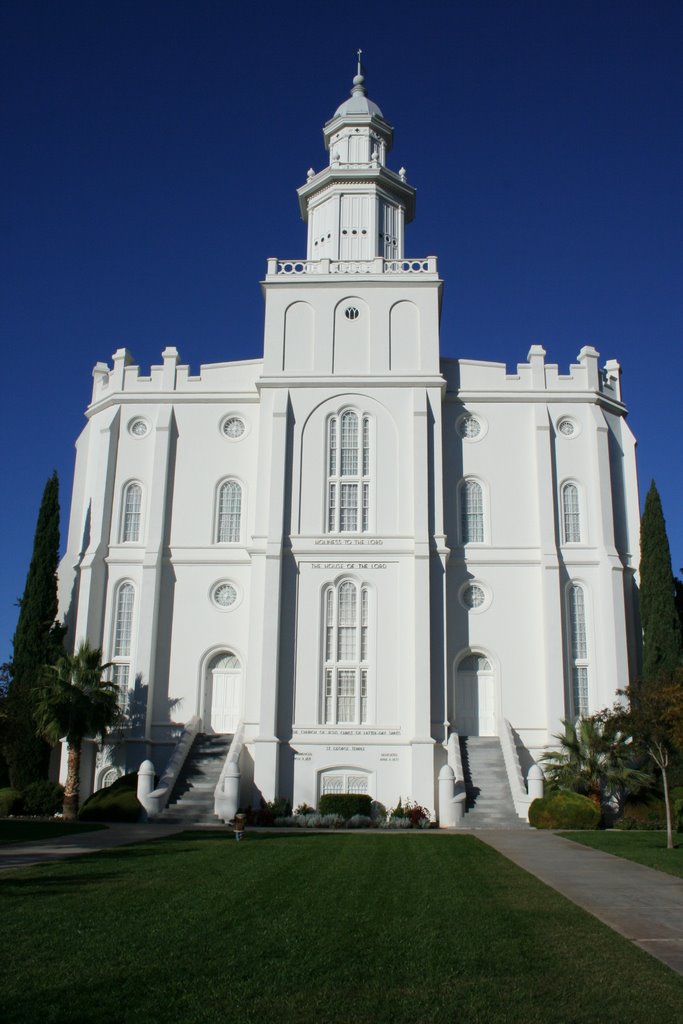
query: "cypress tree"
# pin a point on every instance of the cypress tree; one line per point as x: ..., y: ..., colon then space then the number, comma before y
x: 662, y: 642
x: 37, y: 642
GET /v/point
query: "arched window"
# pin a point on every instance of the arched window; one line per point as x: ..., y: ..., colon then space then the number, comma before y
x: 348, y: 473
x: 229, y: 517
x: 571, y: 515
x: 346, y: 654
x: 344, y: 780
x: 578, y: 649
x: 121, y: 645
x: 471, y: 512
x: 132, y: 512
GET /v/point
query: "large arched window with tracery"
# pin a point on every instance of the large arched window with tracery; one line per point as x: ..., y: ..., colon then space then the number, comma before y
x: 346, y: 654
x: 471, y: 512
x: 229, y: 513
x: 571, y: 514
x: 132, y: 513
x: 122, y: 640
x: 348, y: 473
x: 578, y: 649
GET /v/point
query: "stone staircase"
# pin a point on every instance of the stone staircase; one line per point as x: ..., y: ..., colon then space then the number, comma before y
x: 489, y: 798
x: 191, y: 800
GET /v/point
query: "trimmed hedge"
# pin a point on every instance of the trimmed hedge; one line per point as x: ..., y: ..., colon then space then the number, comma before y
x: 10, y: 801
x: 42, y: 798
x: 649, y: 812
x: 118, y: 802
x: 564, y: 810
x: 345, y: 804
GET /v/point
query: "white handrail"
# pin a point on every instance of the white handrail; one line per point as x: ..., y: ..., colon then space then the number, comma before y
x: 227, y: 791
x: 520, y: 797
x: 159, y: 797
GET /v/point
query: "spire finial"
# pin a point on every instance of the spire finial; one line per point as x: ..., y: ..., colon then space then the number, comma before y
x: 358, y: 77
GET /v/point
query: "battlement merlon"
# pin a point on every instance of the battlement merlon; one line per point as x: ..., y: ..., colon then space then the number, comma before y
x: 123, y: 377
x: 585, y: 375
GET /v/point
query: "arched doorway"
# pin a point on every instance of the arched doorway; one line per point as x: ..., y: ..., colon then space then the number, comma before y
x: 223, y: 689
x: 475, y: 697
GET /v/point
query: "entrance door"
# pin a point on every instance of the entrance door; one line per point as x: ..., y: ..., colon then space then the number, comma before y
x: 475, y: 706
x: 224, y: 690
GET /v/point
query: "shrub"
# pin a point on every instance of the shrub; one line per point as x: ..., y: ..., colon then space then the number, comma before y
x: 564, y: 810
x: 304, y: 808
x: 10, y: 801
x: 413, y: 813
x: 118, y: 802
x: 345, y: 804
x: 393, y: 822
x: 646, y: 813
x: 378, y: 811
x: 359, y: 821
x: 43, y: 797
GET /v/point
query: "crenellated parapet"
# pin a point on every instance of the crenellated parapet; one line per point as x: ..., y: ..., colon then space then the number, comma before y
x: 585, y: 375
x: 124, y: 378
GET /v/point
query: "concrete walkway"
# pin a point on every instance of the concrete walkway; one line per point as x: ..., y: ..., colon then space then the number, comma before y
x: 644, y: 905
x: 23, y: 855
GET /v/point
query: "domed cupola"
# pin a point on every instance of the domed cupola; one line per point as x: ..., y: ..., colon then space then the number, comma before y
x: 356, y: 207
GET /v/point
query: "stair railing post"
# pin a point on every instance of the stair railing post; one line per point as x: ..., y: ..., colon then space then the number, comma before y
x: 535, y: 782
x: 146, y: 787
x: 446, y: 794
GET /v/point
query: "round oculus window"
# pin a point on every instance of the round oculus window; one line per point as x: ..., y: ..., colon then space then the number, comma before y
x: 233, y: 427
x: 351, y: 313
x: 469, y: 427
x: 473, y: 596
x: 566, y: 427
x: 224, y: 595
x: 138, y: 427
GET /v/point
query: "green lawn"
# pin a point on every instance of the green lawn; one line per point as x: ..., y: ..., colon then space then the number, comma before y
x: 31, y: 831
x: 420, y: 929
x: 648, y: 848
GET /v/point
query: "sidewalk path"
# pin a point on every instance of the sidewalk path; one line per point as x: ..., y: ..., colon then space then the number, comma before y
x: 22, y: 855
x: 644, y: 905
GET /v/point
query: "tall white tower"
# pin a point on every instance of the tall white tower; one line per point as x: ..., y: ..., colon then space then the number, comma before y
x: 349, y: 502
x: 356, y: 208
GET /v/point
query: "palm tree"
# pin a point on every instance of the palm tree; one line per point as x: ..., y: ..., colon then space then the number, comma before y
x: 74, y: 702
x: 593, y: 760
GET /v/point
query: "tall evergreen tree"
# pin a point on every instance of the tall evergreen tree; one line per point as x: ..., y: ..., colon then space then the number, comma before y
x: 662, y: 642
x: 37, y: 642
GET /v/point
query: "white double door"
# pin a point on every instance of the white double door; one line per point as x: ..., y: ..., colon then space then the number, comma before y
x: 224, y: 693
x: 475, y: 704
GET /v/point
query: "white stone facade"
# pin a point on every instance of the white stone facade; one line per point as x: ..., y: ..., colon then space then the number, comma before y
x: 351, y: 546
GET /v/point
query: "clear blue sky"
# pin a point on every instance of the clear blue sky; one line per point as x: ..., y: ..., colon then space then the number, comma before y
x: 151, y: 151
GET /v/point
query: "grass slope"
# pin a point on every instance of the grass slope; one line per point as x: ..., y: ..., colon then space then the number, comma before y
x: 313, y: 928
x: 648, y: 848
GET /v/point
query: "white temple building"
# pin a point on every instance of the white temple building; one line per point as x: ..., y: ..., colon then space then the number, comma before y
x: 348, y: 554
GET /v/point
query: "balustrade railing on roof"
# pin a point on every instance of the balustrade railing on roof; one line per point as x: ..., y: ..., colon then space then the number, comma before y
x: 376, y: 266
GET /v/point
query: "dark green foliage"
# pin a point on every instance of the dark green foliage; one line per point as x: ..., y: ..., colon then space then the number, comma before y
x: 345, y: 804
x: 75, y: 700
x: 42, y: 798
x: 10, y: 801
x: 117, y: 802
x: 595, y: 758
x: 647, y: 812
x: 37, y: 642
x: 269, y: 810
x: 564, y: 810
x: 662, y: 643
